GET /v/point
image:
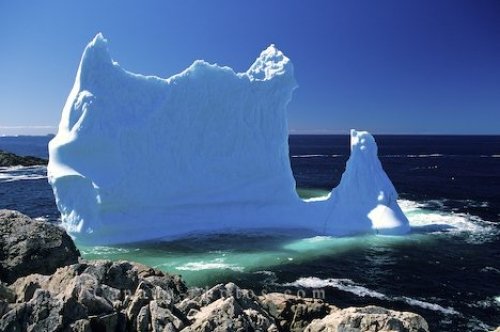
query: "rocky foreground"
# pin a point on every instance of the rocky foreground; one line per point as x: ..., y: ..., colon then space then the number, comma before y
x: 8, y: 159
x: 47, y: 286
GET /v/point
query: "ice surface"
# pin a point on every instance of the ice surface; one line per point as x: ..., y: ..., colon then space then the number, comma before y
x: 141, y: 157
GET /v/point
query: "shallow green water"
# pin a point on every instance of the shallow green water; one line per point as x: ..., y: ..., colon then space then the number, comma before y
x: 205, y: 260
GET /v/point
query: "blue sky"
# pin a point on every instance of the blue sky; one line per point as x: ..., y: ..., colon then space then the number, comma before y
x: 388, y: 66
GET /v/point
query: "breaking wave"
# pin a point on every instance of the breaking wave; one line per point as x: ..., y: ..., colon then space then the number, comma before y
x: 346, y: 285
x: 428, y: 220
x: 21, y: 173
x: 215, y: 264
x: 105, y: 251
x: 318, y: 155
x: 350, y: 286
x: 433, y: 155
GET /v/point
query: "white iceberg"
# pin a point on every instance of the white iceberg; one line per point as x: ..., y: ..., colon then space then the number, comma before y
x: 141, y: 157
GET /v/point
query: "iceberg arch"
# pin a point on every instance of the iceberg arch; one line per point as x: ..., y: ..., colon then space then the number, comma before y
x: 141, y: 157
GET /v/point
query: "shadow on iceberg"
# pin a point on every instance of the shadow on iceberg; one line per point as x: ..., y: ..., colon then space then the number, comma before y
x: 204, y: 151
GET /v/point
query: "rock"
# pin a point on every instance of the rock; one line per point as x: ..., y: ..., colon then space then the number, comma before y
x: 229, y: 308
x: 162, y: 318
x: 188, y: 306
x: 144, y: 319
x: 10, y: 159
x: 108, y: 323
x: 93, y: 296
x: 293, y: 313
x: 81, y: 325
x: 6, y: 293
x: 24, y: 288
x: 370, y: 318
x: 41, y: 313
x: 28, y: 246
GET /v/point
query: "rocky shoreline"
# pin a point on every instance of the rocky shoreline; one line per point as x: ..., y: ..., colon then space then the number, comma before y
x: 8, y: 159
x: 47, y: 286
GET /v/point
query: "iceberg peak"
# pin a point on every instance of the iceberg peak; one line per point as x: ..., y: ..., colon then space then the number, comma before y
x: 270, y: 63
x: 99, y: 40
x: 95, y: 59
x: 97, y: 51
x: 363, y: 141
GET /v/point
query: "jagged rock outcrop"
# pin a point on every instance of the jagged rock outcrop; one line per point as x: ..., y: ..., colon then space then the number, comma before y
x: 8, y: 159
x: 102, y: 295
x: 28, y: 246
x: 370, y: 318
x: 226, y: 308
x: 293, y: 313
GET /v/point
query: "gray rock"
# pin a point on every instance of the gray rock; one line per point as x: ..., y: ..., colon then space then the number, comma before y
x: 107, y: 323
x: 84, y: 299
x: 229, y: 308
x: 24, y: 288
x: 6, y: 293
x: 144, y: 319
x: 41, y: 313
x: 293, y: 313
x: 188, y: 305
x: 82, y: 325
x: 162, y: 318
x: 28, y: 246
x: 370, y: 318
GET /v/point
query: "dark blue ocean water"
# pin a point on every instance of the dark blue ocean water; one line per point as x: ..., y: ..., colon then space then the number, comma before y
x: 448, y: 271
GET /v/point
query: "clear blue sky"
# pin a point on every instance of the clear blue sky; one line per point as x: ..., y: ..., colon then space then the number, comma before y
x: 388, y: 66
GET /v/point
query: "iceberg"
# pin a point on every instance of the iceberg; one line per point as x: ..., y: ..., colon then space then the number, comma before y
x: 142, y: 157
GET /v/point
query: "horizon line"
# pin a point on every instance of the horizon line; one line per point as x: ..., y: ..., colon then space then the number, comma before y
x: 311, y: 134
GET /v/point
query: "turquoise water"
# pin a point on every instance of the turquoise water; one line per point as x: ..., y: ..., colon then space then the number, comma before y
x: 208, y: 259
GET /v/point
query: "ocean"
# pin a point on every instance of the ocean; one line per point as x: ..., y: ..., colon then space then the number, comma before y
x: 447, y: 269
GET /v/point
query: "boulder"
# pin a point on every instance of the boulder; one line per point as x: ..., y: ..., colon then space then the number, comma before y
x: 229, y: 308
x: 42, y: 313
x: 370, y: 318
x: 28, y: 246
x: 93, y: 296
x: 294, y: 313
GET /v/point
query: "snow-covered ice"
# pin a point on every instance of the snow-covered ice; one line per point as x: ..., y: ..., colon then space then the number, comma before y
x: 141, y: 157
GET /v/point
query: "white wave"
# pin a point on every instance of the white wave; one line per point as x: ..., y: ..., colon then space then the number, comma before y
x: 215, y: 264
x: 104, y: 251
x: 428, y: 305
x: 269, y: 276
x: 347, y: 285
x: 317, y: 155
x: 433, y: 155
x: 41, y: 218
x: 23, y: 168
x: 435, y: 221
x: 490, y: 269
x: 21, y: 173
